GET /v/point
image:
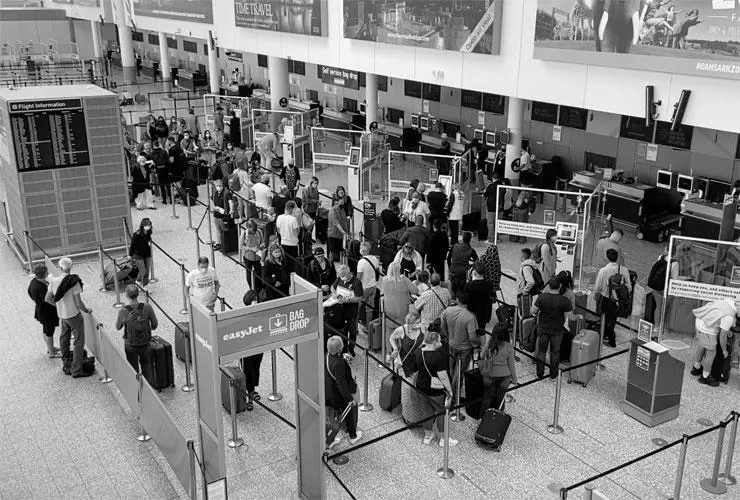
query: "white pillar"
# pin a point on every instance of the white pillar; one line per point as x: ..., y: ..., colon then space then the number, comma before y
x: 279, y: 86
x: 97, y: 48
x: 126, y: 44
x: 371, y: 99
x: 164, y: 62
x: 213, y: 72
x: 514, y: 148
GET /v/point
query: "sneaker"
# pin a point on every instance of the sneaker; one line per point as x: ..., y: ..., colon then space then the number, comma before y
x: 710, y: 381
x: 453, y: 442
x: 54, y: 354
x: 428, y: 439
x: 356, y: 438
x: 336, y: 441
x: 696, y: 372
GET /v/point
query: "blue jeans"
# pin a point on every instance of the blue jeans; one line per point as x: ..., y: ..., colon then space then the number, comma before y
x: 72, y: 327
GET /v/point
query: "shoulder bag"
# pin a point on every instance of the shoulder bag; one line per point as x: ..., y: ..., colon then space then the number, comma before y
x: 435, y: 382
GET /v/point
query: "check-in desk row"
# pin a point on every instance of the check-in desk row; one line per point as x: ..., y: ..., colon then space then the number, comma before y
x: 622, y: 201
x: 701, y: 219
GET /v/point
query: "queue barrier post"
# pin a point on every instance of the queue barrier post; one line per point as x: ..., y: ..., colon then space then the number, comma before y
x: 555, y: 427
x: 726, y: 477
x: 508, y: 398
x: 712, y: 484
x: 146, y: 296
x: 602, y: 330
x: 101, y: 260
x: 365, y: 405
x: 680, y: 468
x: 235, y: 441
x: 193, y: 486
x: 28, y: 252
x: 213, y: 253
x: 445, y: 472
x: 383, y: 322
x: 208, y: 212
x: 197, y: 244
x: 189, y: 385
x: 152, y: 279
x: 174, y: 210
x: 223, y: 303
x: 105, y: 378
x: 458, y: 416
x: 190, y: 212
x: 117, y: 304
x: 274, y: 395
x: 183, y: 285
x: 125, y: 232
x: 144, y: 435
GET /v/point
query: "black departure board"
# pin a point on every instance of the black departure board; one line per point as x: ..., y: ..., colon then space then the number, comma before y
x: 544, y: 112
x: 633, y: 127
x: 49, y: 134
x: 737, y: 153
x: 573, y: 117
x: 494, y: 103
x: 680, y: 138
x: 471, y: 99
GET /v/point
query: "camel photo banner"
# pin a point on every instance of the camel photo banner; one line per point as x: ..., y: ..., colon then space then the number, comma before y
x: 693, y: 37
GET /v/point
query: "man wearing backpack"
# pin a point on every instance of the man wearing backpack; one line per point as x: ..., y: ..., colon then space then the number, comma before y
x: 608, y: 290
x: 529, y: 282
x: 138, y: 320
x: 368, y: 272
x: 656, y: 285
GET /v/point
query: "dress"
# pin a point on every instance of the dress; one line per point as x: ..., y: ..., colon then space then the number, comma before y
x: 397, y: 297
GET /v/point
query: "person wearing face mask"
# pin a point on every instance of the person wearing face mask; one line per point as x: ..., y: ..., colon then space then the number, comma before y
x: 275, y: 273
x: 310, y: 197
x: 549, y: 253
x: 208, y: 148
x: 337, y: 232
x: 202, y: 284
x: 141, y: 187
x: 218, y: 125
x: 161, y: 131
x: 221, y: 210
x: 321, y: 272
x: 347, y: 289
x: 252, y: 246
x: 160, y: 160
x: 141, y: 250
x: 174, y: 126
x: 409, y: 259
x: 342, y: 199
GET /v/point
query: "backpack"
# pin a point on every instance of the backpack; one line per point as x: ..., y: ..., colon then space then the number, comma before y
x: 376, y: 269
x: 539, y: 283
x: 537, y: 253
x: 235, y: 183
x: 138, y: 329
x: 620, y: 292
x: 656, y: 278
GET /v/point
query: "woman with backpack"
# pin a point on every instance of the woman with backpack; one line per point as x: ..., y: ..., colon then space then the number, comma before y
x: 141, y: 250
x: 310, y: 197
x: 139, y: 320
x: 498, y: 368
x: 251, y: 248
x: 549, y: 255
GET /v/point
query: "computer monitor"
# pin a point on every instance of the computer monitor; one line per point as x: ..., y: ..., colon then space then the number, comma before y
x: 415, y: 121
x: 491, y: 139
x: 567, y: 232
x: 685, y: 184
x: 716, y: 190
x: 664, y: 179
x: 424, y: 122
x: 478, y: 134
x: 363, y: 108
x: 449, y: 128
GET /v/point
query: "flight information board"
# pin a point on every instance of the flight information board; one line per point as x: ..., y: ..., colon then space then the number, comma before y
x: 49, y: 134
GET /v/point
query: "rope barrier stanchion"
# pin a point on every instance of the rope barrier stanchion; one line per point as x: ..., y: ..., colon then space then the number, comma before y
x: 712, y: 484
x: 555, y: 427
x: 193, y: 486
x: 189, y: 385
x: 458, y: 416
x: 117, y: 304
x: 727, y: 477
x: 105, y: 378
x: 274, y: 395
x: 365, y: 405
x: 190, y: 212
x: 680, y: 468
x: 101, y: 259
x: 152, y: 279
x: 508, y: 398
x: 445, y: 472
x: 183, y: 286
x: 208, y: 213
x: 235, y: 441
x: 197, y: 245
x: 213, y: 254
x: 174, y: 210
x: 383, y: 323
x: 28, y: 252
x: 602, y: 329
x: 144, y: 435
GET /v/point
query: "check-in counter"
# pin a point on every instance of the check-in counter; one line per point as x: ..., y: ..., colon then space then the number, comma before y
x: 701, y: 219
x: 150, y: 69
x: 192, y: 81
x: 622, y: 200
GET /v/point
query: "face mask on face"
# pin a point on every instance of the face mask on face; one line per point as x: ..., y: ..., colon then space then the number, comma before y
x: 219, y: 189
x: 186, y: 137
x: 147, y: 228
x: 203, y: 270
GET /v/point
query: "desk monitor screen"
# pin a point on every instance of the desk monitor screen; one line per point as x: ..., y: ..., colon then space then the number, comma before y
x: 424, y: 122
x: 567, y: 231
x: 449, y: 128
x: 685, y: 184
x: 664, y: 179
x: 478, y: 134
x: 491, y: 139
x: 716, y: 190
x: 415, y: 121
x: 363, y: 108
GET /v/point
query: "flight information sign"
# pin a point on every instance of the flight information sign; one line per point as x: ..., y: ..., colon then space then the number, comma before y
x: 49, y: 134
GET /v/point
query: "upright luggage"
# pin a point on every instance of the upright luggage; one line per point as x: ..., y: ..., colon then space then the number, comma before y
x: 375, y: 335
x: 528, y: 334
x: 585, y: 348
x: 473, y: 392
x: 492, y: 428
x: 267, y: 228
x: 722, y: 365
x: 127, y: 272
x: 390, y: 392
x: 161, y: 370
x: 650, y: 307
x: 412, y: 403
x: 229, y: 236
x: 322, y: 229
x: 335, y: 422
x: 566, y: 344
x: 182, y: 343
x: 233, y: 373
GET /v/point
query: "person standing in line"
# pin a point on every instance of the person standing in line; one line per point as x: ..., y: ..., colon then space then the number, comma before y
x: 275, y: 273
x: 480, y: 301
x: 337, y: 231
x: 551, y: 307
x: 278, y: 203
x: 605, y: 302
x: 138, y: 321
x: 310, y: 197
x: 141, y: 185
x: 218, y: 126
x: 368, y: 272
x: 235, y: 128
x: 391, y: 217
x: 492, y: 196
x: 65, y: 293
x: 44, y: 313
x: 605, y: 244
x: 460, y: 257
x: 410, y: 260
x: 347, y: 289
x: 341, y: 389
x: 191, y: 124
x: 437, y: 201
x: 460, y: 327
x: 439, y: 246
x: 433, y: 380
x: 454, y: 210
x: 498, y: 368
x: 418, y: 236
x: 160, y: 160
x: 202, y: 284
x: 221, y: 210
x: 432, y: 301
x: 252, y: 245
x: 268, y: 146
x: 251, y: 364
x: 492, y: 269
x: 549, y: 254
x: 263, y: 194
x: 289, y: 229
x: 342, y: 199
x: 397, y: 290
x: 141, y: 250
x: 714, y: 322
x: 291, y: 176
x: 321, y: 272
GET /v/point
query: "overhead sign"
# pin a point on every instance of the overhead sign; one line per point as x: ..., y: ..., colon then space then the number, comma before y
x: 307, y: 17
x: 340, y: 77
x: 701, y: 291
x: 696, y: 37
x: 460, y: 25
x: 181, y: 10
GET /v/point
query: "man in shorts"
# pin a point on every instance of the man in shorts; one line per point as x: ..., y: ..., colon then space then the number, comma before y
x: 712, y: 320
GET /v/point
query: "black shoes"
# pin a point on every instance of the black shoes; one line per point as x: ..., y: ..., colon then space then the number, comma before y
x: 710, y: 381
x: 696, y: 372
x: 83, y: 374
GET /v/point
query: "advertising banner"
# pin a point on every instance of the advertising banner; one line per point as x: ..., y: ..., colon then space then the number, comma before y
x: 305, y: 17
x: 460, y: 25
x: 696, y: 37
x: 340, y: 77
x: 200, y: 11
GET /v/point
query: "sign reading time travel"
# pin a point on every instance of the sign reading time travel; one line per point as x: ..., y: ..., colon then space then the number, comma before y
x: 267, y: 326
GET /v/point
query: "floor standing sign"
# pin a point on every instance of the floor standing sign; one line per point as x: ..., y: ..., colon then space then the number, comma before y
x: 231, y: 335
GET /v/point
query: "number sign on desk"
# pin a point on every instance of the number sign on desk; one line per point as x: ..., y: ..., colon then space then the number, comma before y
x: 49, y: 134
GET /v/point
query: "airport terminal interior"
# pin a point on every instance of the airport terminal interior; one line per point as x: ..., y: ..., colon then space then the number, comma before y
x: 315, y: 198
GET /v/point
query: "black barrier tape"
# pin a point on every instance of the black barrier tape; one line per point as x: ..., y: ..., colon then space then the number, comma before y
x: 597, y: 360
x: 341, y: 483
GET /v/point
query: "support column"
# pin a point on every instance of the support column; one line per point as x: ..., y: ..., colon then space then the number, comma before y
x: 371, y: 99
x: 97, y: 48
x: 514, y: 148
x: 213, y: 72
x: 279, y: 86
x: 164, y: 63
x: 125, y: 43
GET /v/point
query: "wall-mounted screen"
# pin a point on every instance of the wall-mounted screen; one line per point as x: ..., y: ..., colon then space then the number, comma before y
x: 685, y: 184
x: 544, y: 112
x: 697, y: 37
x: 679, y: 138
x: 633, y: 127
x: 494, y: 103
x: 573, y: 117
x: 459, y: 25
x: 471, y: 99
x: 664, y: 179
x: 478, y: 134
x: 181, y: 10
x: 308, y: 17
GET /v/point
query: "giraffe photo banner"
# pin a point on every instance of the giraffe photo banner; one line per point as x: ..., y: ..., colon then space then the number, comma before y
x: 693, y: 37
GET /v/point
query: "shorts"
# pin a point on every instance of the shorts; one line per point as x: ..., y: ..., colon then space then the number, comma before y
x: 334, y: 245
x: 49, y: 329
x: 706, y: 340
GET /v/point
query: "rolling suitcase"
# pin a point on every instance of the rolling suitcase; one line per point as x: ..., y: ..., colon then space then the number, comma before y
x: 492, y: 428
x: 650, y: 306
x: 375, y: 335
x: 390, y: 392
x: 412, y: 403
x: 182, y: 340
x: 722, y: 365
x: 322, y: 229
x: 473, y: 392
x: 585, y: 348
x: 528, y: 334
x: 267, y: 228
x: 335, y: 422
x: 566, y: 344
x: 128, y: 271
x: 229, y: 236
x: 228, y: 373
x: 161, y: 370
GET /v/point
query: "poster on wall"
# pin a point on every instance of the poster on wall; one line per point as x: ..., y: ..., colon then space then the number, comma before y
x: 339, y: 77
x: 181, y: 10
x: 460, y: 25
x: 307, y: 17
x: 696, y: 37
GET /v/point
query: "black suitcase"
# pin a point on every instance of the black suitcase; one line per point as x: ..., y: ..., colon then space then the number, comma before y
x: 182, y: 341
x: 232, y: 372
x: 473, y: 392
x: 322, y: 229
x: 470, y: 221
x: 482, y: 230
x: 127, y: 272
x: 161, y: 370
x: 390, y: 392
x: 229, y: 236
x: 492, y: 428
x: 722, y: 365
x: 650, y: 306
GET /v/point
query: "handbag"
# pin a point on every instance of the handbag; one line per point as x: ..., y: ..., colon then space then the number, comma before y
x: 434, y: 382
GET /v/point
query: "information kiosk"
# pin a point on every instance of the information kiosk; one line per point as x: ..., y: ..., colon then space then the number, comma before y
x: 566, y: 245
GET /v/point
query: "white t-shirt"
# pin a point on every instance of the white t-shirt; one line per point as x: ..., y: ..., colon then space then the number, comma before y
x: 725, y: 323
x: 262, y: 195
x: 203, y: 285
x: 368, y: 273
x: 288, y: 227
x: 66, y: 307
